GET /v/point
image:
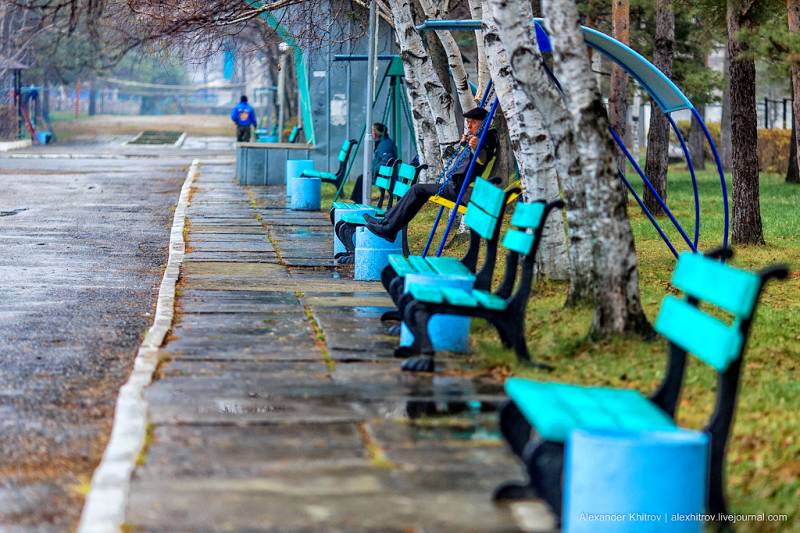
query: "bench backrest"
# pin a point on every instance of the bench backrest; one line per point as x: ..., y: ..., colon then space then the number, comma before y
x: 406, y: 177
x: 485, y: 208
x: 385, y: 175
x: 522, y: 241
x: 717, y: 342
x: 714, y: 341
x: 527, y: 218
x: 345, y: 151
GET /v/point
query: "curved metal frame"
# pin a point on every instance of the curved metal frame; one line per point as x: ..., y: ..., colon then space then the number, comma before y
x: 543, y: 42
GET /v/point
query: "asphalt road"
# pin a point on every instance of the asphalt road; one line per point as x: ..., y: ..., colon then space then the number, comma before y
x: 82, y: 245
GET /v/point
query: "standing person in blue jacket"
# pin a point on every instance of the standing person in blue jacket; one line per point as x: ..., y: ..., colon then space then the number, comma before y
x: 244, y: 116
x: 385, y: 149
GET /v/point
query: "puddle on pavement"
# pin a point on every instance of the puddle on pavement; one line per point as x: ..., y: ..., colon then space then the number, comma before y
x: 454, y: 413
x: 12, y: 212
x: 470, y: 420
x: 239, y: 407
x: 369, y: 311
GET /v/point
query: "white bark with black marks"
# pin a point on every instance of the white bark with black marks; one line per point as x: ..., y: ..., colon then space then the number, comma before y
x: 476, y: 12
x: 421, y: 117
x: 440, y: 103
x: 515, y: 31
x: 533, y: 150
x: 615, y: 279
x: 433, y: 10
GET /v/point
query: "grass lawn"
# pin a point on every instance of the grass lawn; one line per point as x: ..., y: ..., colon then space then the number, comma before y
x: 67, y: 127
x: 764, y: 449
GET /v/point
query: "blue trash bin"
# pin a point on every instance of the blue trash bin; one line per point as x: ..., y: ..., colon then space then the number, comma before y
x: 338, y: 246
x: 448, y: 332
x: 44, y: 137
x: 295, y: 167
x: 617, y: 481
x: 305, y: 194
x: 372, y: 254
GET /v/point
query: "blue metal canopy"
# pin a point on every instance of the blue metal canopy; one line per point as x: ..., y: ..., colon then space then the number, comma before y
x: 665, y: 93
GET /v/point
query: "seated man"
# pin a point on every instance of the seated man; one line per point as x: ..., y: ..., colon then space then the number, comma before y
x: 385, y: 150
x: 409, y: 205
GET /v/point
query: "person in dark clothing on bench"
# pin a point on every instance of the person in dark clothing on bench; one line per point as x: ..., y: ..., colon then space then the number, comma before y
x: 409, y: 205
x: 385, y: 150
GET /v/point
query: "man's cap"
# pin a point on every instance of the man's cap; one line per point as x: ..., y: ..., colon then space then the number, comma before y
x: 478, y: 113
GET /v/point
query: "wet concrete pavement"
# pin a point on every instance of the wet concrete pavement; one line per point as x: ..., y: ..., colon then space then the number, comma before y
x: 82, y: 243
x: 278, y: 406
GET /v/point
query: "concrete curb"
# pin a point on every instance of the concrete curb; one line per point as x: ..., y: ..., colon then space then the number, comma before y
x: 106, y: 502
x: 15, y: 145
x: 81, y: 156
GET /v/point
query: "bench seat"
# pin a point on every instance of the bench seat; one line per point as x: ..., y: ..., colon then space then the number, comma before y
x: 358, y: 218
x: 325, y: 176
x: 446, y: 266
x: 349, y: 205
x: 556, y: 409
x: 459, y: 297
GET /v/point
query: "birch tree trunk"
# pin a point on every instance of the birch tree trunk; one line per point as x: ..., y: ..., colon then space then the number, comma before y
x: 531, y: 144
x: 515, y: 31
x: 746, y: 206
x: 617, y: 306
x: 437, y: 55
x: 793, y: 7
x: 454, y: 58
x: 618, y: 100
x: 440, y: 103
x: 424, y: 127
x: 658, y: 137
x: 476, y: 12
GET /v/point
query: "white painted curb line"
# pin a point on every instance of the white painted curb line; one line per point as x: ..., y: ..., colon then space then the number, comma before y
x: 104, y: 509
x: 15, y: 145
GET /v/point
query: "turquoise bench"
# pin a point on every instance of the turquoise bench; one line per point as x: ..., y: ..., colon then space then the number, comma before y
x: 539, y: 416
x: 483, y: 217
x: 503, y: 308
x: 392, y: 186
x: 337, y: 177
x: 294, y: 135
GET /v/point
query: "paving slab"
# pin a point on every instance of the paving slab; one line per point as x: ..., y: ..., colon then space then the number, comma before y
x: 279, y: 406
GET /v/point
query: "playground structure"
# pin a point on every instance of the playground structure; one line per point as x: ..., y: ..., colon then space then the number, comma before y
x: 11, y: 99
x: 667, y: 96
x: 328, y: 117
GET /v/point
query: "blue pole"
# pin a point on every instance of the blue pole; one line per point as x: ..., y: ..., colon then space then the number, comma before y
x: 648, y: 213
x: 719, y: 171
x: 468, y: 175
x: 688, y: 157
x: 652, y: 189
x: 433, y: 232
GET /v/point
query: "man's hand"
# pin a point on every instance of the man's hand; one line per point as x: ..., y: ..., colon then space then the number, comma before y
x: 473, y: 142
